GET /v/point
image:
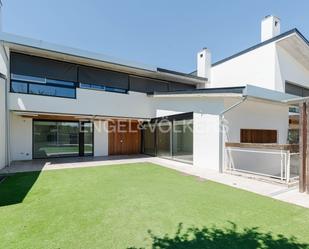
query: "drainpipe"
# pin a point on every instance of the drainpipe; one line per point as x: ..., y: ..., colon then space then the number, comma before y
x: 221, y: 133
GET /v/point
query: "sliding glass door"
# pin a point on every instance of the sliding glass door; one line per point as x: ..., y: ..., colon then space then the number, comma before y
x: 62, y: 139
x: 86, y: 138
x: 170, y: 138
x: 149, y: 138
x: 164, y: 139
x: 183, y: 140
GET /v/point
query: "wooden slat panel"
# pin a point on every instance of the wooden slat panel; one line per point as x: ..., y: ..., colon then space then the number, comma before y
x: 258, y: 136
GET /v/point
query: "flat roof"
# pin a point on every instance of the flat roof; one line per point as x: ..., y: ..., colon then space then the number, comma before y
x: 69, y: 51
x: 237, y: 91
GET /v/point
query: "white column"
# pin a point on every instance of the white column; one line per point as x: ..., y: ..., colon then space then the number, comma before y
x: 20, y: 138
x: 100, y: 138
x: 2, y: 124
x: 206, y: 142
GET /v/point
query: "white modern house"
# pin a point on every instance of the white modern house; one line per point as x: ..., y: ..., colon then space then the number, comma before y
x: 58, y: 101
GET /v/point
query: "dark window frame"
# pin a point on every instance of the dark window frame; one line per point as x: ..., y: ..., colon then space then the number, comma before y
x: 171, y: 120
x: 103, y: 88
x: 296, y: 87
x: 146, y: 82
x: 80, y: 147
x: 47, y: 84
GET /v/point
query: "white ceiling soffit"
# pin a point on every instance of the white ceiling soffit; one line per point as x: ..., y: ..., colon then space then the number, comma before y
x: 297, y: 48
x: 34, y: 114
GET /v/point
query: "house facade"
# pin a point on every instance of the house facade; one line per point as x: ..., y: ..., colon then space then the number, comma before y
x: 279, y: 62
x: 58, y: 102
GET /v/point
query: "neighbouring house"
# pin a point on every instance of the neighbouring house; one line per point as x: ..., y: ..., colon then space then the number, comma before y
x: 58, y: 101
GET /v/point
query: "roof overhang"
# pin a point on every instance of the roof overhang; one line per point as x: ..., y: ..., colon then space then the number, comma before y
x: 221, y: 92
x: 69, y: 116
x: 296, y: 100
x: 293, y: 41
x: 49, y: 50
x: 297, y: 46
x: 248, y: 91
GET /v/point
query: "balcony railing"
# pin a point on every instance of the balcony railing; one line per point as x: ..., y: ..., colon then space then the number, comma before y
x: 273, y: 161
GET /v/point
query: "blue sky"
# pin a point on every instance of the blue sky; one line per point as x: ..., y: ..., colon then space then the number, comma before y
x: 164, y: 33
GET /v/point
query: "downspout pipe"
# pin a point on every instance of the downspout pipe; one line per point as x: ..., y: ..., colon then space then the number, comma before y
x: 222, y: 131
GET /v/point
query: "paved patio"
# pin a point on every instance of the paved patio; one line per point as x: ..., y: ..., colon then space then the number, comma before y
x: 272, y: 190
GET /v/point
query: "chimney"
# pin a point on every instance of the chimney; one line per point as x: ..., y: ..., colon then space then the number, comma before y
x: 204, y: 63
x: 270, y: 27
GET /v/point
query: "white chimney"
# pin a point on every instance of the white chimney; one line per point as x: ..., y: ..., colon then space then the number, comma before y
x: 270, y: 27
x: 204, y: 63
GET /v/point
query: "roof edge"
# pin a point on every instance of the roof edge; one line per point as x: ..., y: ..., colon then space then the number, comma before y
x: 234, y: 90
x: 244, y: 91
x: 163, y: 70
x: 287, y: 33
x: 76, y: 52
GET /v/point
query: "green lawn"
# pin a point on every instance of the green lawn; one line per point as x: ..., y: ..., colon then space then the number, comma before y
x: 141, y: 206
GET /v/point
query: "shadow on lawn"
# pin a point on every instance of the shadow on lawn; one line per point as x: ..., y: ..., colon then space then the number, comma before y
x: 14, y: 188
x: 226, y: 238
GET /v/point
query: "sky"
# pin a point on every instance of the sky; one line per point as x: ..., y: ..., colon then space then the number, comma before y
x: 162, y: 33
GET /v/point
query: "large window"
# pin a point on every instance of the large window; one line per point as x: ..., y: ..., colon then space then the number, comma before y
x: 183, y: 140
x: 149, y: 139
x: 171, y: 137
x: 102, y: 88
x: 62, y: 139
x: 42, y: 86
x: 164, y: 132
x: 59, y: 78
x: 87, y: 137
x: 296, y: 89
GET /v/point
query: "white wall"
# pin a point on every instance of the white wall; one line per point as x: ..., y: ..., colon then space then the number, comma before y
x: 289, y: 69
x: 206, y: 142
x: 2, y: 124
x: 88, y: 102
x: 135, y: 104
x: 3, y: 61
x: 21, y: 138
x: 100, y: 138
x: 269, y: 66
x: 256, y: 115
x: 3, y: 131
x: 256, y: 67
x: 163, y: 106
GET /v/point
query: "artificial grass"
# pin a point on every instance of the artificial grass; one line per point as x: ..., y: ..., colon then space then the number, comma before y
x: 115, y: 207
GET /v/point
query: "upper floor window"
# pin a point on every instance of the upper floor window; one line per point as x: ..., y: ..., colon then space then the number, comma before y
x: 42, y: 86
x: 296, y: 89
x: 102, y: 88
